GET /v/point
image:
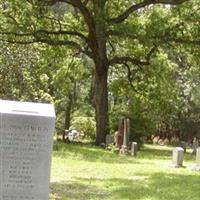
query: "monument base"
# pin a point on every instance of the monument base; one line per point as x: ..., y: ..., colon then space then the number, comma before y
x: 176, y: 166
x: 123, y: 150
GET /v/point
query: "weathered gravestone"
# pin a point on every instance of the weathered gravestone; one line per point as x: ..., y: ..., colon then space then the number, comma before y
x: 134, y: 149
x: 109, y: 139
x: 26, y: 138
x: 195, y: 145
x: 197, y: 167
x: 177, y: 157
x: 124, y: 147
x: 120, y: 134
x: 183, y: 145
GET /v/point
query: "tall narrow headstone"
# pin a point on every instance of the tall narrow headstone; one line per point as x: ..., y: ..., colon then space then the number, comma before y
x: 120, y: 133
x: 197, y: 167
x: 125, y: 138
x: 109, y: 139
x: 26, y: 138
x: 198, y: 157
x: 177, y: 157
x: 124, y: 147
x: 128, y: 129
x: 195, y: 145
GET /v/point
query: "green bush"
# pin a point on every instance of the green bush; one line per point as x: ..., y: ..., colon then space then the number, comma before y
x: 85, y: 125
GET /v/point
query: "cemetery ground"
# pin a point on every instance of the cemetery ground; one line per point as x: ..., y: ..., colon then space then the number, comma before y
x: 83, y: 172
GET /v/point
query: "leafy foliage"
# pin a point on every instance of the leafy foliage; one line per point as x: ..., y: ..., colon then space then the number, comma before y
x: 85, y: 125
x: 148, y: 51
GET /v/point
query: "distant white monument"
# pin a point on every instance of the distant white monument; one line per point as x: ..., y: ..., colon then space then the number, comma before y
x: 177, y: 157
x: 26, y: 138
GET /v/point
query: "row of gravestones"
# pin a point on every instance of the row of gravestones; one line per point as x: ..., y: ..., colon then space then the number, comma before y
x: 123, y: 135
x: 177, y: 155
x: 177, y: 158
x: 124, y: 148
x: 121, y: 138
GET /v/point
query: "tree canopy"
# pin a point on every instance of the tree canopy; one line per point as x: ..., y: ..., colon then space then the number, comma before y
x: 143, y: 52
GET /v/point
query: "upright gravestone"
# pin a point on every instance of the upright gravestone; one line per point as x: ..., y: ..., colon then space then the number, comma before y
x: 183, y: 145
x: 134, y: 149
x: 120, y: 133
x: 26, y: 138
x: 197, y: 167
x: 195, y: 145
x: 177, y: 157
x: 109, y: 139
x: 128, y: 130
x: 124, y: 147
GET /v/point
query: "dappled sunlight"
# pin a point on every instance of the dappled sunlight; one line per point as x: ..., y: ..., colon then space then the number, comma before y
x: 152, y: 152
x: 155, y: 187
x: 91, y: 154
x: 75, y: 190
x: 76, y: 175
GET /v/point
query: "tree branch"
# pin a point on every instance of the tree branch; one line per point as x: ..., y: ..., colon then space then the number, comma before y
x: 129, y: 74
x: 153, y: 49
x: 122, y: 17
x: 50, y: 2
x: 69, y: 43
x: 125, y: 59
x: 185, y: 41
x: 85, y: 2
x: 18, y: 42
x: 87, y: 15
x: 60, y: 32
x: 35, y: 39
x: 41, y: 31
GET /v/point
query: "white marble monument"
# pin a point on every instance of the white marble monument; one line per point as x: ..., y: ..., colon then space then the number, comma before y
x: 177, y: 157
x: 26, y: 138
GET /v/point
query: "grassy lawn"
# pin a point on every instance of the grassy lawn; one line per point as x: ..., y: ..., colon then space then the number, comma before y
x: 83, y: 172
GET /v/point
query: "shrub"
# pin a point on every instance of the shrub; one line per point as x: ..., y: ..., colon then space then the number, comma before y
x: 85, y: 125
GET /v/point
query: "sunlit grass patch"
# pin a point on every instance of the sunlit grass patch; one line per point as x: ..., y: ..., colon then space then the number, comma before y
x: 87, y: 172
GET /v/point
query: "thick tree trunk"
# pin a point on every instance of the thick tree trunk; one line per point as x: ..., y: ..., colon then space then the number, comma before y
x: 98, y: 40
x: 101, y: 106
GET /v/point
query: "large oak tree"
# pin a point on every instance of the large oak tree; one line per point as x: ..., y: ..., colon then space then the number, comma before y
x: 87, y: 26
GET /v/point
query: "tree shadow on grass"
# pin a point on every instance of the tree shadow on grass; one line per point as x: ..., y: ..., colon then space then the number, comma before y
x: 151, y: 153
x: 158, y: 186
x: 75, y: 191
x: 91, y: 153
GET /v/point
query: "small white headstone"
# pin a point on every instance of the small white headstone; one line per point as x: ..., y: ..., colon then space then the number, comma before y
x: 197, y: 167
x: 26, y: 138
x: 134, y: 149
x: 198, y: 157
x: 177, y: 157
